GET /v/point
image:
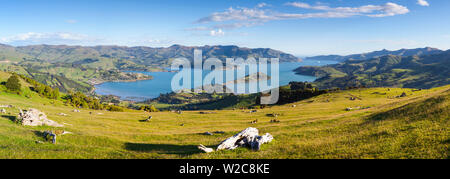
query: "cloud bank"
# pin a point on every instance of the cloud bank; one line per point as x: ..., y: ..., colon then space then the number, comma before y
x: 45, y: 38
x: 233, y: 18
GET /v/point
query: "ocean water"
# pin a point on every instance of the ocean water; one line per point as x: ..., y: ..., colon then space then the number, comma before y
x: 161, y: 83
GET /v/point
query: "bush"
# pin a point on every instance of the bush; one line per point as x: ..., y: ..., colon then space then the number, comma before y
x: 151, y: 108
x: 13, y: 84
x: 115, y: 108
x: 41, y: 89
x: 79, y: 99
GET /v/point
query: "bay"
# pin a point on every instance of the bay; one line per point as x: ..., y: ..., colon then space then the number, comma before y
x: 161, y: 83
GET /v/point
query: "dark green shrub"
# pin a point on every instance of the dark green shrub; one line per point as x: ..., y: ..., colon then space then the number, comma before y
x: 13, y: 84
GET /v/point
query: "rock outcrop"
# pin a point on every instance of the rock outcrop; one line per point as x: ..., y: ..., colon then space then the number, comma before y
x: 247, y: 138
x: 34, y: 117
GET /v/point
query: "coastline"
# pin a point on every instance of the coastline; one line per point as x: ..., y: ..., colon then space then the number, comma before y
x: 118, y: 81
x: 288, y: 67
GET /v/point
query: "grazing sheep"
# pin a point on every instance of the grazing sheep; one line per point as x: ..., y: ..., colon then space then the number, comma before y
x: 273, y: 115
x: 147, y: 120
x: 254, y: 122
x: 208, y: 133
x: 62, y: 114
x: 275, y: 121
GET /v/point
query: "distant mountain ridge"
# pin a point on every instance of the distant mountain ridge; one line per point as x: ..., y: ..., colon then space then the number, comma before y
x: 375, y: 54
x: 140, y: 55
x: 426, y: 71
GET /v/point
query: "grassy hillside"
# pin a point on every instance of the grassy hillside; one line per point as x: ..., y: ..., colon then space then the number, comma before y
x: 426, y: 71
x: 415, y: 126
x: 130, y: 58
x: 69, y: 77
x: 375, y: 54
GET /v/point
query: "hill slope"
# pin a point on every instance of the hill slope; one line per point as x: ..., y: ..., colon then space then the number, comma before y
x: 126, y: 58
x: 415, y: 126
x: 411, y: 72
x: 375, y: 54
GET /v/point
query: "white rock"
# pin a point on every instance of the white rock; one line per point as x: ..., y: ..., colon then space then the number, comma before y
x: 231, y: 143
x: 247, y: 138
x: 205, y: 149
x: 34, y: 117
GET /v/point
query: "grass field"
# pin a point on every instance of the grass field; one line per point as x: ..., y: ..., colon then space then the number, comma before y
x: 416, y: 126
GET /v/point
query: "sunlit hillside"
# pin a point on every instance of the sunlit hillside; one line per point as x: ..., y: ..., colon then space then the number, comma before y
x: 379, y: 125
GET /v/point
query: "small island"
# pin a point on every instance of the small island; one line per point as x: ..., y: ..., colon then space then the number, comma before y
x: 251, y: 78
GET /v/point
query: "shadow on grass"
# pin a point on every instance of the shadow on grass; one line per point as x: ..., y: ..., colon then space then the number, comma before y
x: 39, y: 133
x: 163, y: 148
x: 11, y: 118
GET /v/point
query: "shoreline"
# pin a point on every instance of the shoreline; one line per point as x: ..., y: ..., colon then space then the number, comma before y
x: 168, y: 71
x: 118, y: 81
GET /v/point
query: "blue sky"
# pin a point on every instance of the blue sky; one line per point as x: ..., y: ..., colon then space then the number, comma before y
x: 300, y: 27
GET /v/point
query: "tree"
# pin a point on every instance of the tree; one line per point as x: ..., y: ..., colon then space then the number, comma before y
x: 55, y: 93
x: 13, y: 84
x: 151, y: 108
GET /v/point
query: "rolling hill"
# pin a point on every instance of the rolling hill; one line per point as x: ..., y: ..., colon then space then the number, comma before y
x: 124, y: 58
x: 380, y: 125
x: 426, y: 71
x: 375, y: 54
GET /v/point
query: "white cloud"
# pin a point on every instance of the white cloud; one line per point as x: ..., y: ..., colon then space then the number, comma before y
x: 67, y: 38
x: 247, y: 17
x: 307, y: 6
x: 47, y: 38
x: 201, y: 28
x: 388, y: 9
x: 218, y: 32
x: 236, y: 25
x: 261, y: 5
x: 241, y: 14
x: 423, y: 3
